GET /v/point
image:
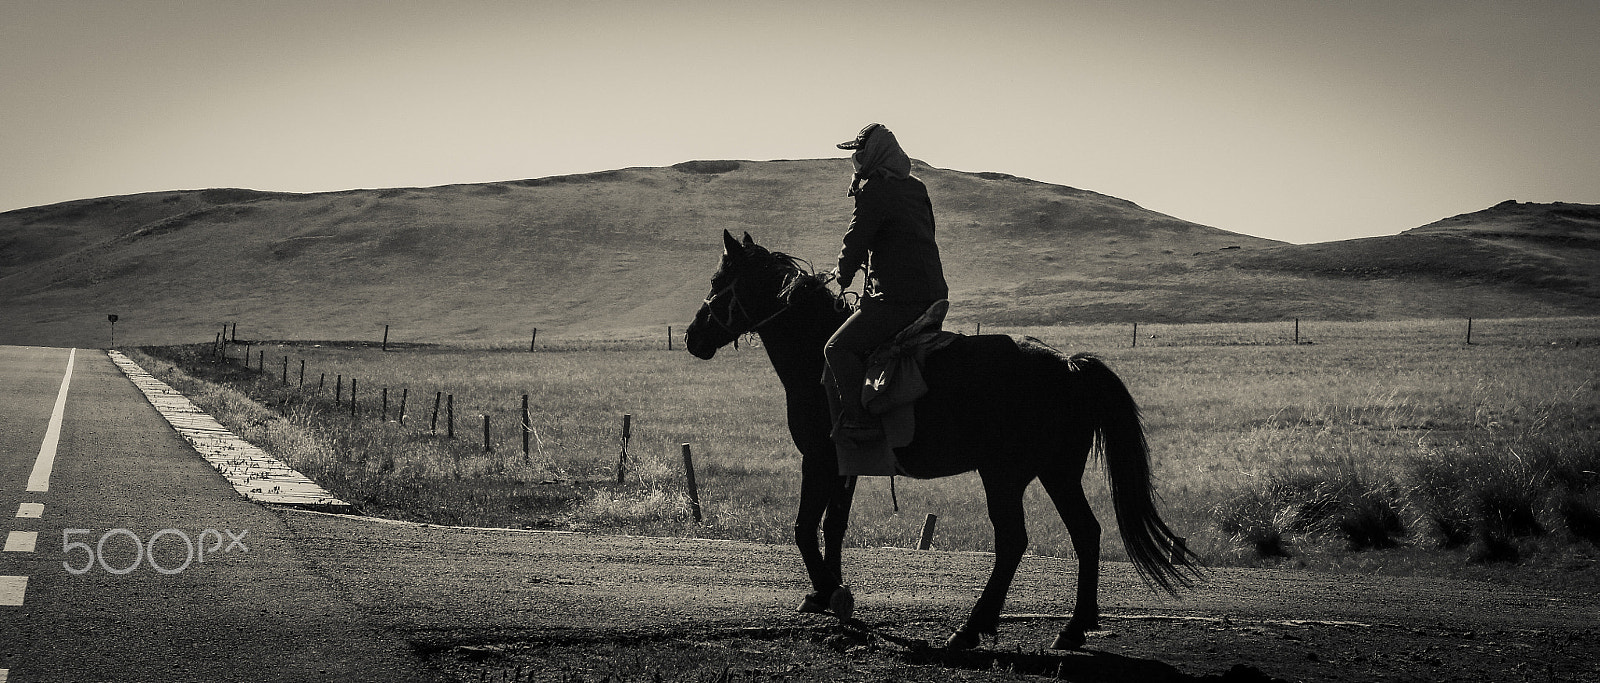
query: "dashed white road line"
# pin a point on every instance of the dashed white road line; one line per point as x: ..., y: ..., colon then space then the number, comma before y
x: 30, y: 510
x: 11, y: 590
x: 21, y: 541
x: 39, y: 480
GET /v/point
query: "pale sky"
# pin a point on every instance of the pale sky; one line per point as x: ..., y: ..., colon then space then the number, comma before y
x: 1303, y: 121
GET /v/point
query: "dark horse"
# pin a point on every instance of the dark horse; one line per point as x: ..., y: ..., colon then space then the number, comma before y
x: 1011, y: 408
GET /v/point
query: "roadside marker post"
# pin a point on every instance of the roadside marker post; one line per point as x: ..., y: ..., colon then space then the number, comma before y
x: 927, y: 531
x: 694, y: 491
x: 627, y: 434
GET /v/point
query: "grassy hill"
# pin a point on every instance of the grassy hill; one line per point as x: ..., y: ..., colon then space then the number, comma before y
x: 631, y: 251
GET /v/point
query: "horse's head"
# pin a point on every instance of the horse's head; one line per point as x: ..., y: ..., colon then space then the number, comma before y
x: 748, y: 290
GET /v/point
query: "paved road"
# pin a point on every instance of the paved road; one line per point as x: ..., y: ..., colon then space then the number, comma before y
x: 254, y: 609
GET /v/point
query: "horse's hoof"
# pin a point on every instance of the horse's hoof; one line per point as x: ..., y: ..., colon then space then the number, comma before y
x: 843, y: 603
x: 815, y: 603
x: 1069, y: 641
x: 963, y: 640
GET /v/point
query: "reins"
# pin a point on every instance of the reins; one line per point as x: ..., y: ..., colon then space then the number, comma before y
x: 737, y: 307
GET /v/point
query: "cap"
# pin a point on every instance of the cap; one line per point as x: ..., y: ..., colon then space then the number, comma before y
x: 861, y: 137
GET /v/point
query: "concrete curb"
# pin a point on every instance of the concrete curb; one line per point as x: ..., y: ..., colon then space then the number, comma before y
x: 253, y: 473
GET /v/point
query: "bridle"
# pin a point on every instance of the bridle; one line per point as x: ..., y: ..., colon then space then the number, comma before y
x: 736, y: 307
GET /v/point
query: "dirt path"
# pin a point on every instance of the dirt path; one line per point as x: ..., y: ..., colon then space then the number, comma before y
x: 575, y: 607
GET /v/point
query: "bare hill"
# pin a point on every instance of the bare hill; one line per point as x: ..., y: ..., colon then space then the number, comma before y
x: 620, y: 252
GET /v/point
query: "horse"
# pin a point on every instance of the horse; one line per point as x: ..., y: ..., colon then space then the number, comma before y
x: 1012, y: 408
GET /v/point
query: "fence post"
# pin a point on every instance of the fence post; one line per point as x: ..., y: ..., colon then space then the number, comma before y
x: 1136, y: 335
x: 352, y: 397
x: 433, y: 424
x: 627, y: 434
x: 669, y: 337
x: 302, y: 373
x: 1297, y: 330
x: 486, y: 447
x: 322, y: 381
x: 338, y: 390
x: 450, y: 416
x: 980, y: 330
x: 404, y: 391
x: 1469, y: 331
x: 285, y: 371
x: 385, y: 337
x: 235, y: 334
x: 927, y: 531
x: 527, y: 428
x: 383, y: 416
x: 694, y: 491
x: 534, y: 342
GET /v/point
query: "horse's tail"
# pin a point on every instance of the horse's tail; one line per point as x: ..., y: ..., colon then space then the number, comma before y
x: 1158, y: 555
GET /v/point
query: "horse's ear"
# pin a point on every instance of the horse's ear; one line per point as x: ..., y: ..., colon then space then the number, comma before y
x: 730, y: 246
x: 748, y: 242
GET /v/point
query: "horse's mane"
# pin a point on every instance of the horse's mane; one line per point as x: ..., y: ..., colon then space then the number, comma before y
x: 800, y: 278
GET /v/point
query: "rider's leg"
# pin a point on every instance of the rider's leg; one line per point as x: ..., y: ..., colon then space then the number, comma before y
x: 847, y: 351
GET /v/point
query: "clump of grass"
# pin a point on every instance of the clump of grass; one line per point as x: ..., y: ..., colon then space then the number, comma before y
x: 1255, y: 519
x: 1339, y: 498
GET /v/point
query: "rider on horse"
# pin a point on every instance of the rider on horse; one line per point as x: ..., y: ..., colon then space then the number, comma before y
x: 891, y: 237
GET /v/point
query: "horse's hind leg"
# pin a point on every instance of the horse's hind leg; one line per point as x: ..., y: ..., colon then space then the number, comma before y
x: 1004, y: 492
x: 1067, y: 493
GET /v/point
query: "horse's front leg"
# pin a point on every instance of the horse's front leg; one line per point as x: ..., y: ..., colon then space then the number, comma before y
x: 814, y: 501
x: 841, y: 600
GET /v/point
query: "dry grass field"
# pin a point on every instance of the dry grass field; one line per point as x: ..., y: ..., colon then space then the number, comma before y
x: 1391, y: 447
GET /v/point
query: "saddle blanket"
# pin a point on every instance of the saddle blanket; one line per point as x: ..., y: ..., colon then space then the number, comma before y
x: 893, y: 384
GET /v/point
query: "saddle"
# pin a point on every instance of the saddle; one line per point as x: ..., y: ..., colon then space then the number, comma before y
x: 893, y: 384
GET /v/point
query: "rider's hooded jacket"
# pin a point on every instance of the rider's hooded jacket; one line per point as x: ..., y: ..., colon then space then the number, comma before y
x: 891, y: 230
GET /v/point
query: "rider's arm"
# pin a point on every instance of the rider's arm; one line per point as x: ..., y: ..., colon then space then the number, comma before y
x: 870, y: 215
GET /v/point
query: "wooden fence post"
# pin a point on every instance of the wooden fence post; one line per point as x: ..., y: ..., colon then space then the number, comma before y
x: 450, y: 416
x: 1136, y: 335
x: 1297, y: 330
x: 694, y: 491
x: 383, y: 415
x: 302, y: 373
x: 433, y: 424
x: 322, y: 381
x: 627, y: 434
x: 534, y: 342
x: 385, y: 337
x: 1469, y: 331
x: 927, y: 531
x: 669, y: 337
x: 285, y: 371
x: 352, y: 397
x: 486, y: 447
x: 338, y: 390
x: 404, y: 391
x: 527, y: 428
